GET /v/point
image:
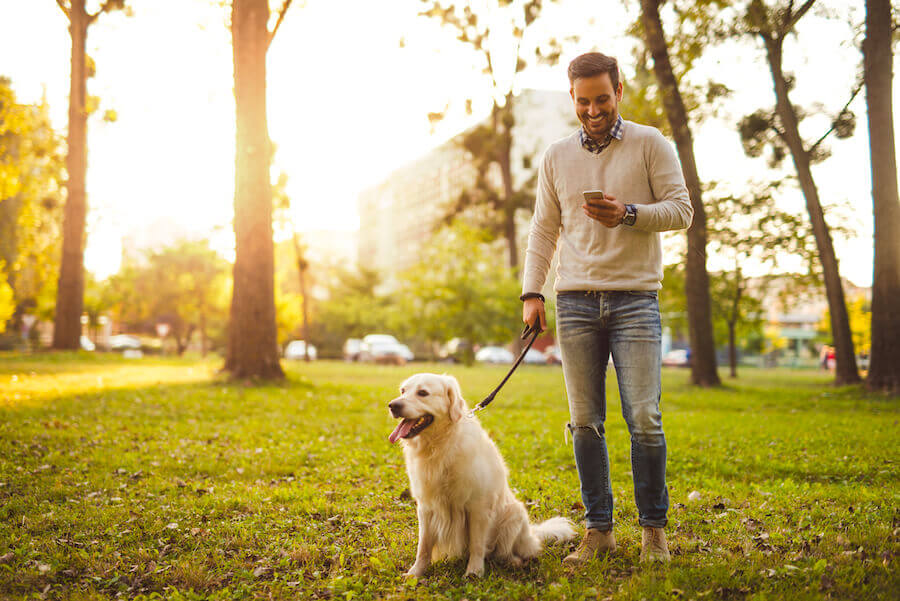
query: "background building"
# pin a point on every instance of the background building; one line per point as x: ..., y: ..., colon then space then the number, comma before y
x: 398, y: 215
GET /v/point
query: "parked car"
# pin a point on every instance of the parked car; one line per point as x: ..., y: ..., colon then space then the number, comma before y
x: 383, y: 348
x: 455, y: 350
x: 494, y: 354
x: 677, y: 357
x: 407, y: 354
x: 87, y: 344
x: 553, y: 354
x: 535, y: 356
x: 351, y: 349
x: 124, y: 342
x: 383, y: 352
x: 379, y: 338
x: 297, y: 349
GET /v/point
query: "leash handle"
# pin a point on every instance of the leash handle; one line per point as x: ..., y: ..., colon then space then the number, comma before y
x: 534, y: 330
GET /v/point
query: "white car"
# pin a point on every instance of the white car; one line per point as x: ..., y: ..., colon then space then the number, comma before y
x: 351, y: 349
x: 535, y: 356
x: 297, y: 350
x: 676, y: 358
x: 379, y: 339
x: 383, y: 352
x: 124, y: 342
x: 494, y: 354
x: 407, y: 354
x: 87, y: 344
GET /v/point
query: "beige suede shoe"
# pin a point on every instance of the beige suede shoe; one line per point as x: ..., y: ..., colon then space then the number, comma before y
x: 653, y: 545
x: 593, y: 544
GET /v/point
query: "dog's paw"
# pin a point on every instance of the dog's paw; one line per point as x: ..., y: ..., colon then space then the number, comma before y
x: 516, y: 561
x: 475, y: 571
x: 414, y: 572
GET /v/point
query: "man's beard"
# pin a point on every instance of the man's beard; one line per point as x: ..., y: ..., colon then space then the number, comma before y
x: 601, y: 135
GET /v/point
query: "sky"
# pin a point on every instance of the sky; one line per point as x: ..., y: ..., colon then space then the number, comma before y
x: 350, y: 84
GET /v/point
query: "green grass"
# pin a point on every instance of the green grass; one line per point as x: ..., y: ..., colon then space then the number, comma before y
x: 157, y: 479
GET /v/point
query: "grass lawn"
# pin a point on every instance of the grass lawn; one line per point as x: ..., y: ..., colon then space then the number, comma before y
x: 154, y: 478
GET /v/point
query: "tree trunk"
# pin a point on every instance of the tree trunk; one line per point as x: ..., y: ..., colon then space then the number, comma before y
x: 70, y: 288
x: 846, y: 372
x: 203, y: 341
x: 732, y: 350
x: 884, y: 366
x: 502, y: 127
x: 703, y: 351
x: 252, y: 336
x: 302, y: 265
x: 732, y: 323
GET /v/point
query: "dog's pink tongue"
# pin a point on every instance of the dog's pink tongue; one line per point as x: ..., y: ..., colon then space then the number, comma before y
x: 401, y: 430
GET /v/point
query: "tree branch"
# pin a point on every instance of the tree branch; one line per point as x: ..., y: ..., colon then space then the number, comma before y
x: 64, y: 8
x: 108, y: 4
x: 793, y: 18
x: 281, y: 13
x: 856, y: 90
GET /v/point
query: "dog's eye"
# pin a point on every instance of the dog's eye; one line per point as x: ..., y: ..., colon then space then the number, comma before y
x: 402, y: 391
x: 422, y: 393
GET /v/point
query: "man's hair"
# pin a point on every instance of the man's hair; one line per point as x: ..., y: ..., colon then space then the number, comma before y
x: 592, y: 64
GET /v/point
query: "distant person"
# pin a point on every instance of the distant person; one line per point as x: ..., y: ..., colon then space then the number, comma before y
x: 831, y: 359
x: 610, y: 268
x: 823, y: 356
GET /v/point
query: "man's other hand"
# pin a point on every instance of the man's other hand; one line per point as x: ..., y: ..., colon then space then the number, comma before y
x: 607, y: 211
x: 531, y: 309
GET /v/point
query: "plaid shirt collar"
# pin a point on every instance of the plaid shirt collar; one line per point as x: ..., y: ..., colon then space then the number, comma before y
x: 592, y: 146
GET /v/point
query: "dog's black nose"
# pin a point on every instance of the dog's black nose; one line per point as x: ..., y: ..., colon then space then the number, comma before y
x: 396, y: 406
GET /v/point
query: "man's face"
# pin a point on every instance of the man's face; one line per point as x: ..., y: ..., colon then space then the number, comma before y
x: 596, y: 104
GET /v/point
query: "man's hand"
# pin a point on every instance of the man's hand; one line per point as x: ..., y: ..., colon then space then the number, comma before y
x: 607, y: 211
x: 531, y: 309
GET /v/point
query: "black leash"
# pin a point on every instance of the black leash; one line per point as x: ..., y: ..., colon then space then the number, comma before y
x: 534, y: 331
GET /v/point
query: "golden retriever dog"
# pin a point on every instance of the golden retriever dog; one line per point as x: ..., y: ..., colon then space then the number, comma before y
x: 459, y: 482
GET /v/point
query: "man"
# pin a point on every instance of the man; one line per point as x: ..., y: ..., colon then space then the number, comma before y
x: 610, y: 268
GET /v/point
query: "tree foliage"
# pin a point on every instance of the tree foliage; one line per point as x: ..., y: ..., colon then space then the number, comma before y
x: 7, y: 304
x: 692, y: 27
x: 31, y: 175
x: 779, y: 129
x: 458, y: 289
x: 485, y: 29
x: 471, y: 296
x: 354, y: 307
x: 184, y: 286
x: 749, y: 230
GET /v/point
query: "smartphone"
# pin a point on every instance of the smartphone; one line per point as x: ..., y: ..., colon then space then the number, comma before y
x: 593, y: 195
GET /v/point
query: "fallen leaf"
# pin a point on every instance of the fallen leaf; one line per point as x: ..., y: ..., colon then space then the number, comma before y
x: 260, y: 571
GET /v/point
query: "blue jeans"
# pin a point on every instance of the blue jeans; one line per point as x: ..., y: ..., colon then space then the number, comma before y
x: 591, y: 325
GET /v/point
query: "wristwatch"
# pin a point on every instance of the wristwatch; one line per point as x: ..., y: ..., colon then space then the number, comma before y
x: 630, y: 215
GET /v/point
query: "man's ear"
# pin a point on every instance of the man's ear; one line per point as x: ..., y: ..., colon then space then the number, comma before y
x: 458, y: 406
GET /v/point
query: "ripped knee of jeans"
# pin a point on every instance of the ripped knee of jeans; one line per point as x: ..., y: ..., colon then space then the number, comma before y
x: 578, y: 430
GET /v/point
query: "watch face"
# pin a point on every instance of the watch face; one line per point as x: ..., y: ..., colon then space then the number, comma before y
x: 630, y: 215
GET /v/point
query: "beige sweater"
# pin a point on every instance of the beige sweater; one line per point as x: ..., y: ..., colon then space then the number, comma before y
x: 640, y: 169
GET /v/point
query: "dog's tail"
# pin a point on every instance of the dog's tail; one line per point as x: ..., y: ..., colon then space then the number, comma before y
x: 558, y: 529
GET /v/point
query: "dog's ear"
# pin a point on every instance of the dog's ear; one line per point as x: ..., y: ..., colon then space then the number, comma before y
x: 454, y: 395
